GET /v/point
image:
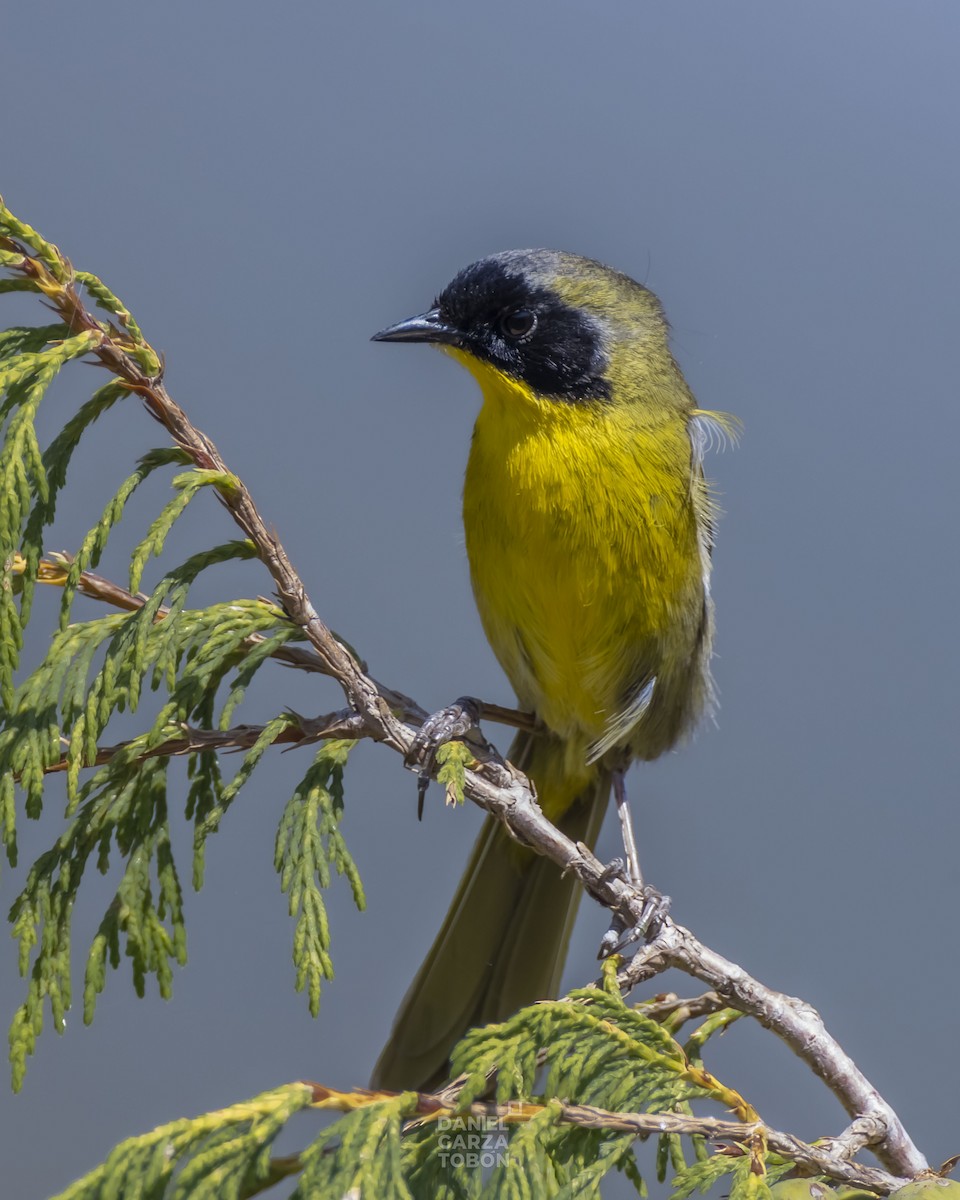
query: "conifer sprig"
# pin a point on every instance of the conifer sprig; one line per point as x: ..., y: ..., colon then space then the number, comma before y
x: 199, y: 663
x: 417, y: 1145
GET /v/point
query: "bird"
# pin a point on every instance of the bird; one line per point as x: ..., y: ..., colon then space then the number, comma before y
x: 589, y: 529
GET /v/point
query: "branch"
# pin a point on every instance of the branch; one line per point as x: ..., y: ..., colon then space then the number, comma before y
x: 813, y: 1158
x: 674, y: 1011
x: 492, y: 784
x: 795, y: 1021
x: 864, y: 1131
x: 190, y: 740
x: 820, y: 1159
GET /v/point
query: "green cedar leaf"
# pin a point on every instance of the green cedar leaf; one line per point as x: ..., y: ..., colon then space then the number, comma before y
x: 221, y: 1155
x: 308, y: 844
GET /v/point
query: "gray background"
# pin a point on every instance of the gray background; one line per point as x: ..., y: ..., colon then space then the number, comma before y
x: 265, y: 186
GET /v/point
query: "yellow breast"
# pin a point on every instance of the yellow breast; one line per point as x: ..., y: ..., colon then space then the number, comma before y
x: 582, y: 536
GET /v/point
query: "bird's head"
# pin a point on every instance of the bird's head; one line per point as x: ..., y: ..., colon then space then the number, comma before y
x: 564, y: 328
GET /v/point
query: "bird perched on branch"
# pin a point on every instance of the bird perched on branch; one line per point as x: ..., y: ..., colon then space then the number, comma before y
x: 589, y: 529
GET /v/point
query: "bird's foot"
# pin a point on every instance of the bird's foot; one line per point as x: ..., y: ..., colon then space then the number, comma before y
x: 615, y: 869
x: 459, y: 721
x: 656, y: 909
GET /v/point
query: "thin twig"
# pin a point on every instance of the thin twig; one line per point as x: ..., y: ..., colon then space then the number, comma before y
x: 818, y: 1159
x: 796, y: 1022
x: 190, y: 740
x: 677, y: 1010
x: 864, y: 1131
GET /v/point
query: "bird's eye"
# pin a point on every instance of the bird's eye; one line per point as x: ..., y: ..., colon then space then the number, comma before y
x: 518, y: 323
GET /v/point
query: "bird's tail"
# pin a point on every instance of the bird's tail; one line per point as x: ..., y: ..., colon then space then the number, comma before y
x: 504, y: 939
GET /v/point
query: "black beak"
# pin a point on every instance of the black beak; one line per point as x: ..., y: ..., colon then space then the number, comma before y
x: 428, y: 327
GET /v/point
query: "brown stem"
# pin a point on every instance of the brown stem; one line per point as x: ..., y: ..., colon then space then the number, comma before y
x: 190, y: 740
x: 822, y: 1159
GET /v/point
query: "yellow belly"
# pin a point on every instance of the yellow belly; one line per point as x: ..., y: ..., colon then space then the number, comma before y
x: 586, y: 564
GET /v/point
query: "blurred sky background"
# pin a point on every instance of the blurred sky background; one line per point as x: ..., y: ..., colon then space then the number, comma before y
x: 266, y: 186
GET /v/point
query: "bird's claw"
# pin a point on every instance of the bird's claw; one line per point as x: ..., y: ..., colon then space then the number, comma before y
x: 457, y: 720
x: 656, y: 908
x: 615, y: 869
x: 610, y: 941
x: 460, y: 720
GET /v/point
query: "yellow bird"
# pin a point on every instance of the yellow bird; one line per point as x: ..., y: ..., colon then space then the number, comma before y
x: 589, y: 528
